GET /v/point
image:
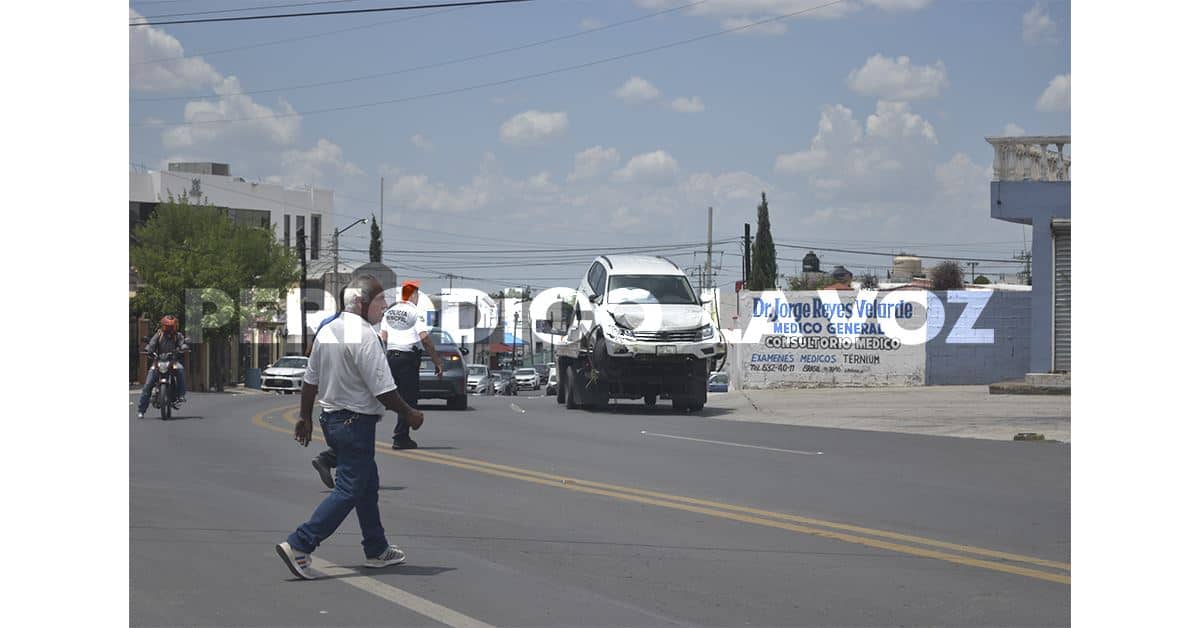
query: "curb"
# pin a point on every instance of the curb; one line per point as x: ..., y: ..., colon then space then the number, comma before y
x: 1021, y: 388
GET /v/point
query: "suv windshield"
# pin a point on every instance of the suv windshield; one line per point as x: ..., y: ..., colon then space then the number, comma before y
x: 650, y: 289
x: 291, y: 363
x: 476, y: 369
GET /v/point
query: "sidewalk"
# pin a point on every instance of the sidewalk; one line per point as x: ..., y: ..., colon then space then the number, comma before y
x: 960, y: 411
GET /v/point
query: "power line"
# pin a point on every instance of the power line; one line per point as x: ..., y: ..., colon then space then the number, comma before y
x: 410, y: 7
x: 507, y: 81
x: 954, y: 258
x: 251, y: 8
x: 288, y: 40
x: 431, y: 66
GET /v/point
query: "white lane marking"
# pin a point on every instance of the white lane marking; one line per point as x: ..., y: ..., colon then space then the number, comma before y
x: 400, y: 597
x: 721, y: 442
x: 516, y: 408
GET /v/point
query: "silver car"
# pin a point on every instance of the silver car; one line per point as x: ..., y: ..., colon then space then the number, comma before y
x: 528, y: 379
x: 286, y: 375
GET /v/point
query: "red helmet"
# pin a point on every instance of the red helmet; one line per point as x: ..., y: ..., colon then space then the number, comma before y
x: 169, y: 324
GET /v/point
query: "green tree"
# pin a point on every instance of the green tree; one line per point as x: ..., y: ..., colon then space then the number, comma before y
x: 763, y: 271
x: 981, y: 281
x: 186, y: 246
x: 376, y: 241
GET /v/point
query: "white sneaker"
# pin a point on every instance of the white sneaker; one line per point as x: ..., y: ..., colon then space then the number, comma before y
x: 299, y: 564
x: 141, y: 415
x: 391, y: 556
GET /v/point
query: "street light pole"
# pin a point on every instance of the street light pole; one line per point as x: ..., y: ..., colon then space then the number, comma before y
x: 336, y: 235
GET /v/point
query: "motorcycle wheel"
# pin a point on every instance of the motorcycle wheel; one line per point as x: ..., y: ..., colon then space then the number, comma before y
x: 164, y: 405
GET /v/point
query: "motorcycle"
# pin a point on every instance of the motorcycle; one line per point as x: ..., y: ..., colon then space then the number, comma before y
x: 163, y: 396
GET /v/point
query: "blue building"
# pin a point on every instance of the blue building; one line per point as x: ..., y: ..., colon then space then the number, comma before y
x: 1031, y: 185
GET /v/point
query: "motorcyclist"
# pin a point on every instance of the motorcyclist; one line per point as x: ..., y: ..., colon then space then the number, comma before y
x: 167, y: 339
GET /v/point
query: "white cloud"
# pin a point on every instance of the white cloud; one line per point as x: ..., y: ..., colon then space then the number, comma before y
x: 638, y: 91
x: 1037, y: 27
x: 588, y: 23
x: 1012, y: 129
x: 837, y: 132
x: 890, y: 156
x: 688, y: 105
x: 173, y: 72
x: 594, y: 161
x: 421, y: 142
x: 320, y: 164
x: 533, y: 127
x: 896, y: 120
x: 656, y: 168
x: 963, y: 184
x: 1057, y: 96
x: 209, y: 127
x: 898, y: 79
x: 727, y: 189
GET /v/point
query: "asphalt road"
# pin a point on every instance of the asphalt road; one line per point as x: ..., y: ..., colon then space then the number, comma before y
x: 517, y: 512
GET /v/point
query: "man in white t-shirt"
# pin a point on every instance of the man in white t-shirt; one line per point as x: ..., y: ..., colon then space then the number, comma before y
x: 348, y: 375
x: 405, y: 333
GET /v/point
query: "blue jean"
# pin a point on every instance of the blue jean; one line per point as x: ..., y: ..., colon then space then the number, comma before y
x: 351, y: 436
x: 152, y: 381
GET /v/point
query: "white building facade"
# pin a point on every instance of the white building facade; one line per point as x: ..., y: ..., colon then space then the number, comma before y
x: 283, y: 210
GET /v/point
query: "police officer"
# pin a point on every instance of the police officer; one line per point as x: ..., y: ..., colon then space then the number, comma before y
x: 404, y: 331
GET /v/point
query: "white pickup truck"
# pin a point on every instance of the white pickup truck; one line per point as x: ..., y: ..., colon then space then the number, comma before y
x: 643, y: 334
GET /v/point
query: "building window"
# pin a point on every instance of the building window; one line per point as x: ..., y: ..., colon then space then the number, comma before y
x: 287, y: 231
x: 315, y: 240
x: 251, y: 217
x: 300, y: 228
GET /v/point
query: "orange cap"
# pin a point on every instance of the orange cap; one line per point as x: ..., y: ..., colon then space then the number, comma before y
x: 408, y: 288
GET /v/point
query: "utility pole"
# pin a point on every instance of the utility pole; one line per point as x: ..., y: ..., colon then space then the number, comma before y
x: 746, y: 255
x: 381, y: 210
x: 972, y: 265
x: 708, y: 280
x: 302, y: 250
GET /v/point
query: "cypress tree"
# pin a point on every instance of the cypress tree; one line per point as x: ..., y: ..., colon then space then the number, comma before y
x: 376, y: 241
x: 763, y: 271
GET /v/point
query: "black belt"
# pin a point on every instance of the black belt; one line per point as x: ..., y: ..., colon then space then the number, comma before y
x: 398, y: 353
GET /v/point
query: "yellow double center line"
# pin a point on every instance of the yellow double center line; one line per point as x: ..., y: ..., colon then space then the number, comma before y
x: 881, y: 539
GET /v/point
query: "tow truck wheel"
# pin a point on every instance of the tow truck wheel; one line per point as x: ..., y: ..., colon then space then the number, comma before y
x: 572, y: 392
x: 560, y: 389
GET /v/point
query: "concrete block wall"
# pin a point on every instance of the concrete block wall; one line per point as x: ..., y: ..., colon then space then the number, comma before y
x: 1009, y: 314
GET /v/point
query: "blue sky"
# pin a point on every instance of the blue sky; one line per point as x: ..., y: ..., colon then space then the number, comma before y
x: 864, y: 125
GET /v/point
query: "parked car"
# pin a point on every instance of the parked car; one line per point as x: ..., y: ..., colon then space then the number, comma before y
x: 479, y: 379
x: 527, y: 379
x: 452, y: 385
x: 543, y: 371
x: 503, y: 382
x: 552, y: 382
x: 285, y: 375
x: 718, y: 382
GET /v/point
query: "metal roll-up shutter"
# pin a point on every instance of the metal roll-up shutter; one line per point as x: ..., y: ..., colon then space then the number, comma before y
x: 1061, y: 230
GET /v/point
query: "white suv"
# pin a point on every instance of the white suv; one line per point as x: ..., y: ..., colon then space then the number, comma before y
x: 645, y: 306
x: 642, y: 334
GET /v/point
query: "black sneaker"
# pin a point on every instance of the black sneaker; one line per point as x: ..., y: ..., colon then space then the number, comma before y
x: 323, y: 471
x: 407, y: 443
